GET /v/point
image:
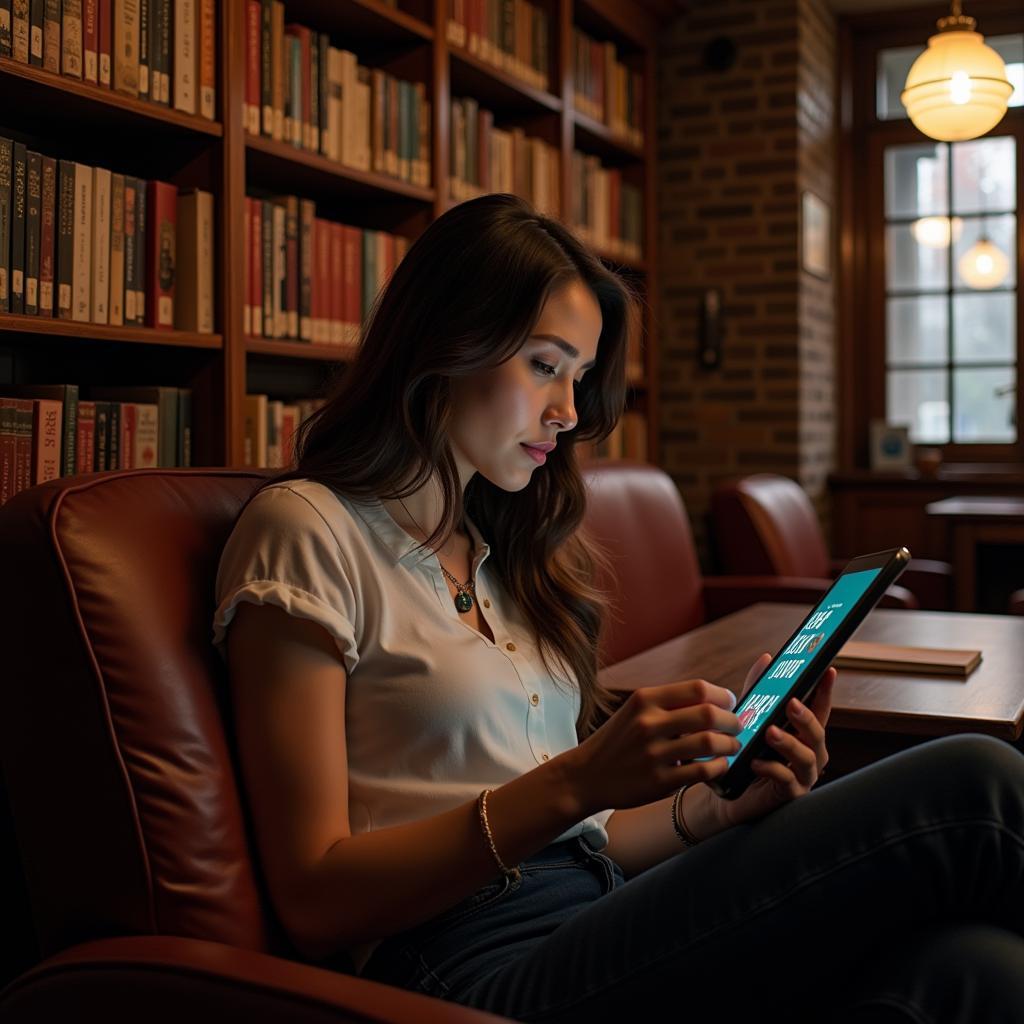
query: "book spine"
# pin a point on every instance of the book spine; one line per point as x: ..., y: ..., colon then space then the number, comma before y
x: 266, y: 66
x: 6, y: 43
x: 35, y: 33
x: 253, y: 40
x: 312, y: 83
x: 46, y: 434
x: 256, y: 267
x: 126, y: 47
x: 20, y: 30
x: 130, y: 193
x: 207, y: 59
x: 104, y: 41
x: 141, y: 300
x: 336, y: 310
x: 185, y: 56
x: 278, y: 67
x: 323, y: 88
x: 71, y: 38
x: 145, y: 78
x: 70, y: 429
x: 66, y: 237
x: 162, y: 204
x: 165, y: 52
x: 90, y: 53
x: 33, y: 211
x: 291, y: 232
x: 307, y: 212
x: 114, y: 459
x: 117, y: 250
x: 280, y: 272
x: 46, y: 236
x: 146, y: 436
x: 101, y: 246
x: 85, y: 440
x: 184, y: 427
x: 100, y: 459
x: 267, y: 219
x: 51, y: 36
x: 247, y: 305
x: 81, y: 281
x: 18, y: 198
x: 6, y: 162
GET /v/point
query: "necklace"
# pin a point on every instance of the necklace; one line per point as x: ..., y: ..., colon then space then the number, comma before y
x: 467, y: 590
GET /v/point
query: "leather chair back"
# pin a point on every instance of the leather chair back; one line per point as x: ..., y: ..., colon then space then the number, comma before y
x: 766, y: 525
x: 635, y: 512
x: 117, y: 763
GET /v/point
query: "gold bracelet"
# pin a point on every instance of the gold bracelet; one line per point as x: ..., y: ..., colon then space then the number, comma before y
x: 481, y: 805
x: 686, y: 837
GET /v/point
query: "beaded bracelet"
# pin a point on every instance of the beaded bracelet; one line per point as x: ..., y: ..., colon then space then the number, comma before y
x: 485, y: 826
x: 686, y: 837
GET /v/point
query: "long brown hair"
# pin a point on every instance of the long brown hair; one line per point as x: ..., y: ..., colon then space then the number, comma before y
x: 465, y: 298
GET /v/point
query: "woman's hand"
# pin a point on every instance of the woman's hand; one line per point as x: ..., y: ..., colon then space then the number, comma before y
x: 645, y: 750
x: 804, y: 755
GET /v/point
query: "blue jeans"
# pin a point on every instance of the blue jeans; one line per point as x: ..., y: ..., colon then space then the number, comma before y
x: 893, y: 894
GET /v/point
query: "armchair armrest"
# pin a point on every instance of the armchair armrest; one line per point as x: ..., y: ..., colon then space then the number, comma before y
x: 162, y: 978
x: 725, y: 594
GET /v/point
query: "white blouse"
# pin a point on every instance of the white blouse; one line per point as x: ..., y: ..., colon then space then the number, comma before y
x: 434, y: 711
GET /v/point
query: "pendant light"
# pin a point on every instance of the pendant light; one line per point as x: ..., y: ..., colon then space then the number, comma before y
x: 937, y: 232
x: 957, y: 89
x: 984, y: 265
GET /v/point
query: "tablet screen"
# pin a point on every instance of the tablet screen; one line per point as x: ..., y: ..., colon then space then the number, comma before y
x: 782, y: 675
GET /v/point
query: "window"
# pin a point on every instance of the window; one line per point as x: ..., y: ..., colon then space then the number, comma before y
x: 931, y: 307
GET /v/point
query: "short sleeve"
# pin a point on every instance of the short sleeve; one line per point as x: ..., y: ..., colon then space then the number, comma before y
x: 283, y: 552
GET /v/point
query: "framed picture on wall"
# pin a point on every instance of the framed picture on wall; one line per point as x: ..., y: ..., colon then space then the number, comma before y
x: 890, y: 446
x: 815, y: 236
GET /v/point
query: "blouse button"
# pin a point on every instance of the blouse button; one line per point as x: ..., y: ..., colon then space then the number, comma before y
x: 543, y: 757
x: 534, y: 699
x: 487, y: 604
x: 510, y: 647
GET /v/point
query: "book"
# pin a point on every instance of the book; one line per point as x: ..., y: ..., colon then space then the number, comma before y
x: 126, y: 47
x: 71, y: 38
x: 100, y: 245
x: 47, y: 263
x: 162, y: 204
x: 33, y: 210
x: 6, y: 162
x: 915, y: 660
x: 185, y: 56
x: 18, y: 189
x: 81, y: 273
x: 194, y: 298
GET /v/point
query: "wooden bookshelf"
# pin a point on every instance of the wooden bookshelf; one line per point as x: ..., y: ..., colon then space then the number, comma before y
x: 70, y: 119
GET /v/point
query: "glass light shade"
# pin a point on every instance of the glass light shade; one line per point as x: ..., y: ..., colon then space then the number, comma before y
x: 957, y: 89
x: 984, y: 265
x: 937, y: 232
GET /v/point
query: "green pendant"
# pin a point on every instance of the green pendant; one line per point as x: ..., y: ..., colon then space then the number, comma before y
x: 463, y: 602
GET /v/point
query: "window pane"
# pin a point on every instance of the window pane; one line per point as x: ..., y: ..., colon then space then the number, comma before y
x: 984, y: 175
x: 916, y: 330
x: 985, y: 327
x: 1011, y: 49
x: 984, y: 403
x: 917, y: 399
x: 916, y: 179
x: 893, y: 68
x: 910, y: 266
x: 1001, y: 231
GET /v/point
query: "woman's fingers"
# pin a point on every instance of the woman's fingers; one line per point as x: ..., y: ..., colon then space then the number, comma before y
x: 802, y: 758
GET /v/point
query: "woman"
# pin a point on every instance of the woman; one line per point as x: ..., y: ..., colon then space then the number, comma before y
x: 412, y: 657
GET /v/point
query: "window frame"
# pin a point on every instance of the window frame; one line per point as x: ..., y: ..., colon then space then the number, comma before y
x: 863, y: 138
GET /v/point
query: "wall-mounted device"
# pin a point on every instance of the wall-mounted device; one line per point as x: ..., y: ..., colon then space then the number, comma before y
x: 712, y: 329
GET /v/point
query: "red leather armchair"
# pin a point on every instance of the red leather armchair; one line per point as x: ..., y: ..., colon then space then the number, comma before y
x: 765, y: 523
x: 636, y: 513
x: 1017, y: 603
x: 143, y: 892
x: 124, y: 837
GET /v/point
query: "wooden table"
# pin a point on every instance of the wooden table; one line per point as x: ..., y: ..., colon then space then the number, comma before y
x: 874, y: 713
x: 974, y: 520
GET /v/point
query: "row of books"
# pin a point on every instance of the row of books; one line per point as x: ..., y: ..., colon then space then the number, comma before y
x: 488, y: 159
x: 309, y: 278
x: 605, y: 89
x: 83, y: 243
x: 627, y: 441
x: 513, y: 35
x: 302, y: 90
x: 48, y: 431
x: 270, y: 426
x: 607, y: 212
x: 160, y: 50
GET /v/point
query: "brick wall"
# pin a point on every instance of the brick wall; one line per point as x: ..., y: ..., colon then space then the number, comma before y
x: 736, y: 148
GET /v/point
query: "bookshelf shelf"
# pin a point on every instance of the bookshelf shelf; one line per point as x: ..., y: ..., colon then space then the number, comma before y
x: 595, y: 137
x: 299, y: 350
x: 32, y: 95
x: 370, y: 24
x: 496, y: 88
x: 39, y: 325
x: 274, y: 164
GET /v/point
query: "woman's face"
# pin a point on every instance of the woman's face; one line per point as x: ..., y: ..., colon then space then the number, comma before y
x: 528, y: 399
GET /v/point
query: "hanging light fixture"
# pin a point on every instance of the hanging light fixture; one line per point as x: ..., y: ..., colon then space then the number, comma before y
x: 984, y: 265
x: 957, y: 89
x: 937, y: 232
